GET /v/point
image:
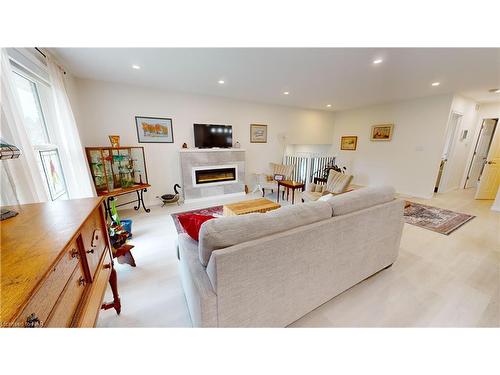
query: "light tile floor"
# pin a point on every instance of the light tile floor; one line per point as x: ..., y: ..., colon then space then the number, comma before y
x: 437, y: 281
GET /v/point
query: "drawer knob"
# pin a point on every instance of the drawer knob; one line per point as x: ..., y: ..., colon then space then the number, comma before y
x: 90, y: 251
x: 81, y: 281
x: 32, y: 321
x: 74, y: 253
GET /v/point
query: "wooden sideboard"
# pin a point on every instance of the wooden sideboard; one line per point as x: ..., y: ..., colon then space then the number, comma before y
x: 55, y: 265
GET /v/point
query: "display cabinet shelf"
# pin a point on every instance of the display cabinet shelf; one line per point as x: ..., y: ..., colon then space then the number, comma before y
x: 117, y: 171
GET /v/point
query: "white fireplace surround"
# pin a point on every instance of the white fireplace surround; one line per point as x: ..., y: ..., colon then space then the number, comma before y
x: 214, y: 167
x: 193, y: 160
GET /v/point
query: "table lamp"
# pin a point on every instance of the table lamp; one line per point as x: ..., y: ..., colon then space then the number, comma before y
x: 8, y: 151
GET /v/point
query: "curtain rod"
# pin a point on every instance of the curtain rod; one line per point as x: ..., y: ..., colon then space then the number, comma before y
x: 41, y: 53
x: 45, y: 56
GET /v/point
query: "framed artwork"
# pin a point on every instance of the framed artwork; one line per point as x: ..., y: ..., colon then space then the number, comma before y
x: 382, y: 132
x: 115, y: 140
x: 54, y: 176
x: 258, y: 133
x: 348, y: 142
x: 154, y: 130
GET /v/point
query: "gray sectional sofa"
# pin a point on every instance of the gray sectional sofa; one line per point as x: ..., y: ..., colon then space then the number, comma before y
x: 268, y: 270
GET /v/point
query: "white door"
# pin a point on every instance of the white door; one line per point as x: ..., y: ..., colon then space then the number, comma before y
x: 490, y: 177
x: 480, y: 152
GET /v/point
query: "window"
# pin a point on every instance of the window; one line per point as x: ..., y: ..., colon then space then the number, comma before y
x: 29, y: 93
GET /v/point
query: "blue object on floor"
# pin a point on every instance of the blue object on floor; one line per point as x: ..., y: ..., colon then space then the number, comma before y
x: 127, y: 225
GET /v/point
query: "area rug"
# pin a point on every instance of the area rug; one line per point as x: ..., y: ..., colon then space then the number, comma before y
x: 214, y: 211
x: 434, y: 218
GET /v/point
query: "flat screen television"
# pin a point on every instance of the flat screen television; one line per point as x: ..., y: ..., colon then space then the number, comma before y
x: 209, y: 135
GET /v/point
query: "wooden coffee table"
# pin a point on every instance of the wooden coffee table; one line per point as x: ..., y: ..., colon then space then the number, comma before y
x: 245, y: 207
x: 289, y: 185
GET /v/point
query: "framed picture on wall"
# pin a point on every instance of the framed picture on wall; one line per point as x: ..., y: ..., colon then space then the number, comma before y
x: 382, y: 132
x: 258, y: 133
x: 154, y: 129
x: 348, y: 142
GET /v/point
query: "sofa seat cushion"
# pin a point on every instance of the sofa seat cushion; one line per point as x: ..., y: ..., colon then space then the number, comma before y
x: 228, y: 231
x: 311, y: 196
x: 360, y: 199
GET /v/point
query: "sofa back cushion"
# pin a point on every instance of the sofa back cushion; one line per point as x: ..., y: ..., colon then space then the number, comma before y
x: 337, y: 182
x: 360, y: 199
x: 228, y: 231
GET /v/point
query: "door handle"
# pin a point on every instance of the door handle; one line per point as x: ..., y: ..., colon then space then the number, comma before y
x: 490, y: 162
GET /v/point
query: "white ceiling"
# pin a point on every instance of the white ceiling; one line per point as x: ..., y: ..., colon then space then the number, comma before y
x: 315, y: 77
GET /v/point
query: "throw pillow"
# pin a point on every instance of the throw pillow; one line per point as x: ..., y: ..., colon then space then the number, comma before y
x: 192, y: 223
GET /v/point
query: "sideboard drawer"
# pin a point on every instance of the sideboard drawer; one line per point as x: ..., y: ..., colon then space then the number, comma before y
x: 93, y: 236
x: 64, y: 311
x: 90, y: 311
x: 38, y: 308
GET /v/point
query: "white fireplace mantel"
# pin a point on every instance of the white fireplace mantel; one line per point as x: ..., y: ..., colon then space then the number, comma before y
x: 210, y: 149
x: 192, y: 159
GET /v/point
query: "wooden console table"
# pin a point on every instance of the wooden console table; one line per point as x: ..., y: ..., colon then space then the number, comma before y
x: 289, y: 185
x: 110, y: 197
x: 56, y: 263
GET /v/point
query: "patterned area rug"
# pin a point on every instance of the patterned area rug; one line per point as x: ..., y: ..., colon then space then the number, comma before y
x: 428, y: 217
x: 214, y: 211
x: 434, y: 218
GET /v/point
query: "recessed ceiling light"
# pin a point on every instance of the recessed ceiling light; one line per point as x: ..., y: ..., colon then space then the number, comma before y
x: 221, y: 82
x: 328, y: 105
x: 494, y: 91
x: 136, y: 67
x: 286, y: 92
x: 435, y: 83
x: 377, y: 61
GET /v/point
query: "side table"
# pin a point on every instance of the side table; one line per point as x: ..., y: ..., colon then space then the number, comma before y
x: 289, y: 185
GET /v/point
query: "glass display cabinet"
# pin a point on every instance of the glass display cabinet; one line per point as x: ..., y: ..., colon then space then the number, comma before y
x: 117, y: 171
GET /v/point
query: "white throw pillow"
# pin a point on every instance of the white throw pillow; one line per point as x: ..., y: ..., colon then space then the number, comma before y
x: 325, y: 197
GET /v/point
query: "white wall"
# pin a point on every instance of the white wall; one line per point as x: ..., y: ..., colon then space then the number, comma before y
x: 457, y: 165
x: 104, y: 108
x: 410, y: 161
x: 309, y: 150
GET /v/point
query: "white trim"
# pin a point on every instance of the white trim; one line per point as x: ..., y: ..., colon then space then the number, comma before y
x: 207, y: 167
x: 212, y: 197
x: 27, y: 60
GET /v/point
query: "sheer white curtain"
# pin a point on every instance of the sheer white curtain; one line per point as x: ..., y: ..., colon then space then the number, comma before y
x: 25, y: 177
x: 73, y: 160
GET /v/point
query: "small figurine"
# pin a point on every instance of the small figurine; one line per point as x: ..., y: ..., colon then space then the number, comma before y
x: 184, y: 145
x: 171, y: 198
x: 115, y: 141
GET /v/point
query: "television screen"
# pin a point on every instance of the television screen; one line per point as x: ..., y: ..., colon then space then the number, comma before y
x: 208, y: 135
